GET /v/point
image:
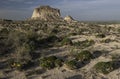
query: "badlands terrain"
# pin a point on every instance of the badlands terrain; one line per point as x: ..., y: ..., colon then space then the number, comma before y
x: 46, y: 46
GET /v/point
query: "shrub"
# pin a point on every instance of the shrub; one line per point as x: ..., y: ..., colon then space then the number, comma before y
x: 118, y: 30
x: 89, y: 43
x: 100, y: 35
x: 84, y: 55
x: 73, y: 33
x: 28, y: 65
x: 13, y: 64
x: 4, y: 32
x: 4, y: 47
x: 22, y: 54
x: 66, y: 41
x: 104, y: 67
x: 54, y: 31
x: 47, y: 64
x: 71, y: 64
x: 115, y: 57
x: 17, y: 38
x: 107, y: 40
x: 52, y: 38
x: 51, y: 58
x: 85, y: 43
x: 50, y: 62
x: 22, y: 45
x: 16, y: 65
x: 73, y: 52
x: 58, y: 62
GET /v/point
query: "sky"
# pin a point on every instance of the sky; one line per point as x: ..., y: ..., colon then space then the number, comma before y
x: 84, y: 10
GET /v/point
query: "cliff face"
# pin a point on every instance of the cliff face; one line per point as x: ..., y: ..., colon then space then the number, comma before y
x: 46, y: 13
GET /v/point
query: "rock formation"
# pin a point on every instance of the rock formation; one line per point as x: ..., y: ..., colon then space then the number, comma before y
x: 68, y: 18
x: 46, y: 13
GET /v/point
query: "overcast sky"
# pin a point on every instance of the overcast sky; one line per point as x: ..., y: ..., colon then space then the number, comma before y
x: 78, y: 9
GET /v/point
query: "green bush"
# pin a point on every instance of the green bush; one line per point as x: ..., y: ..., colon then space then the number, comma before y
x: 4, y: 32
x: 115, y: 57
x: 101, y: 35
x: 17, y: 65
x: 104, y: 67
x: 51, y: 58
x: 84, y: 55
x: 50, y: 62
x: 66, y: 41
x: 49, y: 39
x: 22, y: 54
x: 73, y: 52
x: 58, y: 62
x: 118, y: 30
x: 52, y: 38
x: 47, y: 64
x: 12, y: 63
x: 72, y: 34
x: 21, y: 44
x: 71, y: 64
x: 55, y: 30
x: 84, y: 44
x: 107, y: 40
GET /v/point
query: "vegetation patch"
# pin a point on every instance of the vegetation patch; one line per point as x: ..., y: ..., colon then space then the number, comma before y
x: 71, y: 64
x: 104, y: 67
x: 66, y: 41
x: 58, y: 62
x: 101, y: 35
x: 115, y: 57
x: 107, y: 40
x: 84, y: 44
x: 84, y: 55
x: 15, y: 65
x: 50, y: 62
x: 48, y: 41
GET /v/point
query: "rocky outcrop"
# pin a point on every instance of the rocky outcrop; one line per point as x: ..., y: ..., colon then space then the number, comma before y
x: 68, y: 18
x: 46, y: 13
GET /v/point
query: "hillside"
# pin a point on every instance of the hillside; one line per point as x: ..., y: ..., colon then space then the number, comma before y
x: 57, y: 49
x: 24, y: 43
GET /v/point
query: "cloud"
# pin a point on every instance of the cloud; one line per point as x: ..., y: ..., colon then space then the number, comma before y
x: 79, y: 9
x: 16, y: 0
x: 15, y: 14
x: 91, y: 9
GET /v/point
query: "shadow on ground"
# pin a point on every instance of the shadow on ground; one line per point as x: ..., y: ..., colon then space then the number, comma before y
x: 75, y: 77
